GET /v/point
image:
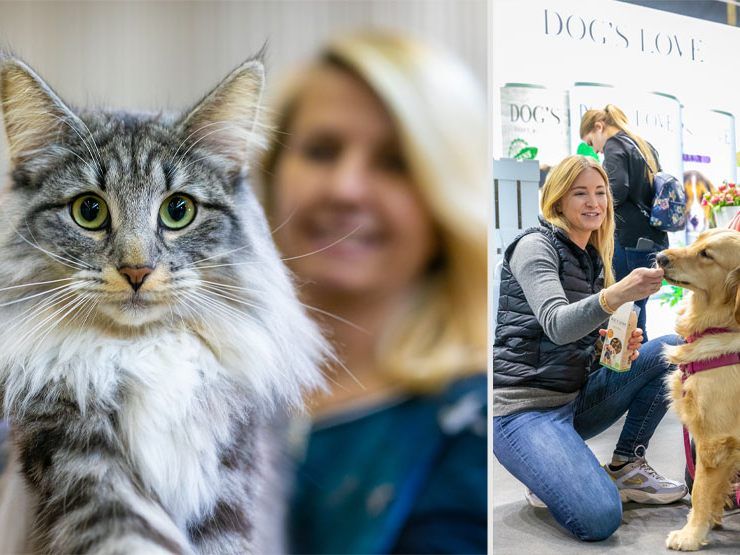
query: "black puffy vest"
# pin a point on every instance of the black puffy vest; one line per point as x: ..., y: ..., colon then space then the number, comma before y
x: 523, y: 355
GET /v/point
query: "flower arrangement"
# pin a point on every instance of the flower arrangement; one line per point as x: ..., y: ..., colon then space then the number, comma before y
x: 727, y: 194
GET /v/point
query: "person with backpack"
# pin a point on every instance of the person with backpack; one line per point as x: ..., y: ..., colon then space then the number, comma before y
x: 632, y: 166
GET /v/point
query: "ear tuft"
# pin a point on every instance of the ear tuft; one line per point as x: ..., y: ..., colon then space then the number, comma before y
x: 226, y: 121
x: 34, y: 115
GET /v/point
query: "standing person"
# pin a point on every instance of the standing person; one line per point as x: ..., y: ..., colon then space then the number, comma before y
x: 549, y: 392
x: 375, y: 182
x: 630, y: 162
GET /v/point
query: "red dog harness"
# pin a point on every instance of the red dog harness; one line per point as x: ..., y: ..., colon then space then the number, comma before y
x: 692, y: 368
x: 710, y: 363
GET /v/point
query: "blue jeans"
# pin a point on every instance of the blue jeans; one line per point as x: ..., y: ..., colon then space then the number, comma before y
x: 545, y: 449
x: 627, y: 259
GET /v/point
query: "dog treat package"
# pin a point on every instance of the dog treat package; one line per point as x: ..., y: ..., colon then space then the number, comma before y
x: 622, y: 323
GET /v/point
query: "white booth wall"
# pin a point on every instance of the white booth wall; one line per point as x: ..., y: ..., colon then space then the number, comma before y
x: 638, y: 51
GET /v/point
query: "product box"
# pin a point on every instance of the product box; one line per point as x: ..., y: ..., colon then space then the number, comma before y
x: 622, y: 323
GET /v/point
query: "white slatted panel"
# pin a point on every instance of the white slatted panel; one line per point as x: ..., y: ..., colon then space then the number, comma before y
x: 516, y: 199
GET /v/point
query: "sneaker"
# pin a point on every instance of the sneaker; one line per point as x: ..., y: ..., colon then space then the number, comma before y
x: 533, y: 500
x: 638, y: 481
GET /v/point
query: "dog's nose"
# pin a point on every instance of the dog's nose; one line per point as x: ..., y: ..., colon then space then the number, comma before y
x: 135, y: 275
x: 662, y: 260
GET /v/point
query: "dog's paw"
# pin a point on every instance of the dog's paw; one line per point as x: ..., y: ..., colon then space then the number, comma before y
x: 685, y: 540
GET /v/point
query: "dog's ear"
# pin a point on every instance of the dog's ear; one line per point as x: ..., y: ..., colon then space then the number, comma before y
x: 732, y: 286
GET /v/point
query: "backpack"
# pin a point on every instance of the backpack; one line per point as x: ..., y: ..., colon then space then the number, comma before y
x: 669, y: 201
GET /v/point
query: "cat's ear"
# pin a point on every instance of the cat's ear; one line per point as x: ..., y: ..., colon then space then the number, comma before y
x: 34, y: 115
x: 226, y: 121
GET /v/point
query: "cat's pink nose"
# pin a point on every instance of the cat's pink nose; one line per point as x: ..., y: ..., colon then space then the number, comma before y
x: 135, y: 275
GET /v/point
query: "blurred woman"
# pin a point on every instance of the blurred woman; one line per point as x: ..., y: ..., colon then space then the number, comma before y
x: 375, y: 183
x: 630, y: 162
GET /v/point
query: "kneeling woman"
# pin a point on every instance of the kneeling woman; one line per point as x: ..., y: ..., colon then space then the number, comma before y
x: 550, y: 393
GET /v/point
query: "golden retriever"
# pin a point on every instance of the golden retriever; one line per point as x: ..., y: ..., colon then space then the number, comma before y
x: 707, y: 402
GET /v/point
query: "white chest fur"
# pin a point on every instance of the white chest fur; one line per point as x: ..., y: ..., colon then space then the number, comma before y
x: 173, y: 400
x: 174, y: 415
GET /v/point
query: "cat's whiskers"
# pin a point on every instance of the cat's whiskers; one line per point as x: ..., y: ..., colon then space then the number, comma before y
x: 330, y: 245
x: 38, y: 307
x: 223, y: 294
x: 227, y: 286
x: 64, y: 120
x: 223, y: 317
x: 344, y: 237
x: 225, y: 308
x: 70, y: 258
x: 333, y: 358
x: 193, y: 264
x: 186, y: 139
x: 186, y: 166
x: 206, y: 301
x: 285, y: 221
x: 28, y: 335
x: 86, y: 162
x: 193, y: 316
x: 223, y: 126
x: 90, y: 309
x: 178, y: 297
x: 92, y: 140
x: 57, y: 258
x: 209, y: 266
x: 223, y: 286
x: 76, y: 304
x: 32, y: 313
x: 21, y: 285
x: 33, y: 296
x: 335, y: 317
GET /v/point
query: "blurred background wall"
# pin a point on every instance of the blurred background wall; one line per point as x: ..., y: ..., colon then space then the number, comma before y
x: 154, y: 55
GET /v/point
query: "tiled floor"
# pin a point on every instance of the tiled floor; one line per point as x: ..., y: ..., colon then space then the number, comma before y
x: 519, y: 529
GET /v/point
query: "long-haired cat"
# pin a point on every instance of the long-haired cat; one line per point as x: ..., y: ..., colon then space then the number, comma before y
x: 147, y: 326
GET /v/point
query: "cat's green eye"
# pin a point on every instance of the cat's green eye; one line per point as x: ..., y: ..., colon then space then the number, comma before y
x: 90, y: 212
x: 177, y: 211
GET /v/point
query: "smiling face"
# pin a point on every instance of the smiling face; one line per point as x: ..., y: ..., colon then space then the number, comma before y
x: 584, y: 205
x: 342, y: 191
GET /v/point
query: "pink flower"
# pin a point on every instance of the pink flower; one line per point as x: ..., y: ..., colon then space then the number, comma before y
x: 729, y: 197
x: 722, y: 188
x: 704, y: 201
x: 714, y: 200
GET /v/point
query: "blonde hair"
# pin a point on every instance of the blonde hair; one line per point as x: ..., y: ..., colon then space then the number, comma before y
x: 558, y: 183
x: 614, y: 117
x: 439, y: 112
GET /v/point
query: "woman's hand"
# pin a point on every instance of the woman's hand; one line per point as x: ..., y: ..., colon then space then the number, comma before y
x: 638, y: 284
x: 633, y: 344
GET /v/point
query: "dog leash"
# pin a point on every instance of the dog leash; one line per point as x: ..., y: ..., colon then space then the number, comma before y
x: 692, y: 368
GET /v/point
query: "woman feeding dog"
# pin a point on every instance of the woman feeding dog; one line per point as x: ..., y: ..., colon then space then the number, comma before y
x: 550, y: 392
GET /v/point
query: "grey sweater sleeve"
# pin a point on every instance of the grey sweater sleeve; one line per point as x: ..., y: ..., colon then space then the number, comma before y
x: 534, y: 263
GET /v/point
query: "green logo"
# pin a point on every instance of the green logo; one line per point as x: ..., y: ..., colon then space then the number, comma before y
x: 519, y: 149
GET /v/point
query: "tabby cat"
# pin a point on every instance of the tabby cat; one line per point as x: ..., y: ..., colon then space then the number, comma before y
x: 148, y: 328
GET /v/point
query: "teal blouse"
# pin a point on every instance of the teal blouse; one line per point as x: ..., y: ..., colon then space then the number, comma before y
x: 405, y: 477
